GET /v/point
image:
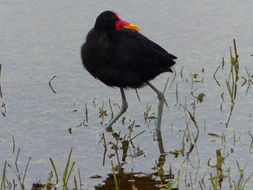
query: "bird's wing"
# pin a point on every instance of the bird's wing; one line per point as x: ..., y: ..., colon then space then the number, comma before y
x: 132, y: 49
x: 145, y: 42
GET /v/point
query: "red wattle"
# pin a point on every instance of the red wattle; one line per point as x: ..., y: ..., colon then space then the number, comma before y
x: 120, y: 23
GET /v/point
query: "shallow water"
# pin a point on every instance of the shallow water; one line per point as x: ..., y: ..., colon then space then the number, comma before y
x: 42, y: 39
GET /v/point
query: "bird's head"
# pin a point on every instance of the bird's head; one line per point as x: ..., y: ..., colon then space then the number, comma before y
x: 110, y: 20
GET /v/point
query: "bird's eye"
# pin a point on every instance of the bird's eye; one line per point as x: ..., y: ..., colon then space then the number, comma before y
x: 115, y: 19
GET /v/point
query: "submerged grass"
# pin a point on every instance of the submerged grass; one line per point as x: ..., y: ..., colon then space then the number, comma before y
x: 233, y: 77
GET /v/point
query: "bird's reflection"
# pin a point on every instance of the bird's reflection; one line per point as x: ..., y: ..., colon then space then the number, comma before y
x: 139, y: 180
x: 121, y: 144
x: 159, y: 140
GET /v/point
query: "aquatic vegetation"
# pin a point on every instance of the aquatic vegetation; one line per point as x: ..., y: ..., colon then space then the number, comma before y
x: 17, y: 179
x: 248, y: 80
x: 3, y: 105
x: 69, y: 167
x: 1, y: 94
x: 198, y: 147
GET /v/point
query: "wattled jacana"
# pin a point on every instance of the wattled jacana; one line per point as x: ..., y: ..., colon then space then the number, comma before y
x: 119, y: 56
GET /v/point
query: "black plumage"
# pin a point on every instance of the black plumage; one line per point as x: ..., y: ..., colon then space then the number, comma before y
x: 119, y: 56
x: 123, y: 58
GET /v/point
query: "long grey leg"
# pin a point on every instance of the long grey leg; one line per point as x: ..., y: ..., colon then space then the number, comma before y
x: 160, y: 106
x: 122, y: 110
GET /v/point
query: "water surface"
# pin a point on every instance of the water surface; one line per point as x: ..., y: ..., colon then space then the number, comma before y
x: 42, y: 39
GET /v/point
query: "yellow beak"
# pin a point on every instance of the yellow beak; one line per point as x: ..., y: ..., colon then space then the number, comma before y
x: 131, y: 27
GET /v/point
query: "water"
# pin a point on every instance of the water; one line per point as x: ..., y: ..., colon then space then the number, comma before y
x: 42, y: 39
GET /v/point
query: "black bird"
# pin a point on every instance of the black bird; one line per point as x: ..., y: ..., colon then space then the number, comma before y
x: 119, y: 56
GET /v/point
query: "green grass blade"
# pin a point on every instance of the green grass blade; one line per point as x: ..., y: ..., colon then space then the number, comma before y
x: 55, y: 170
x: 70, y: 171
x: 64, y: 177
x: 66, y: 172
x: 115, y: 177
